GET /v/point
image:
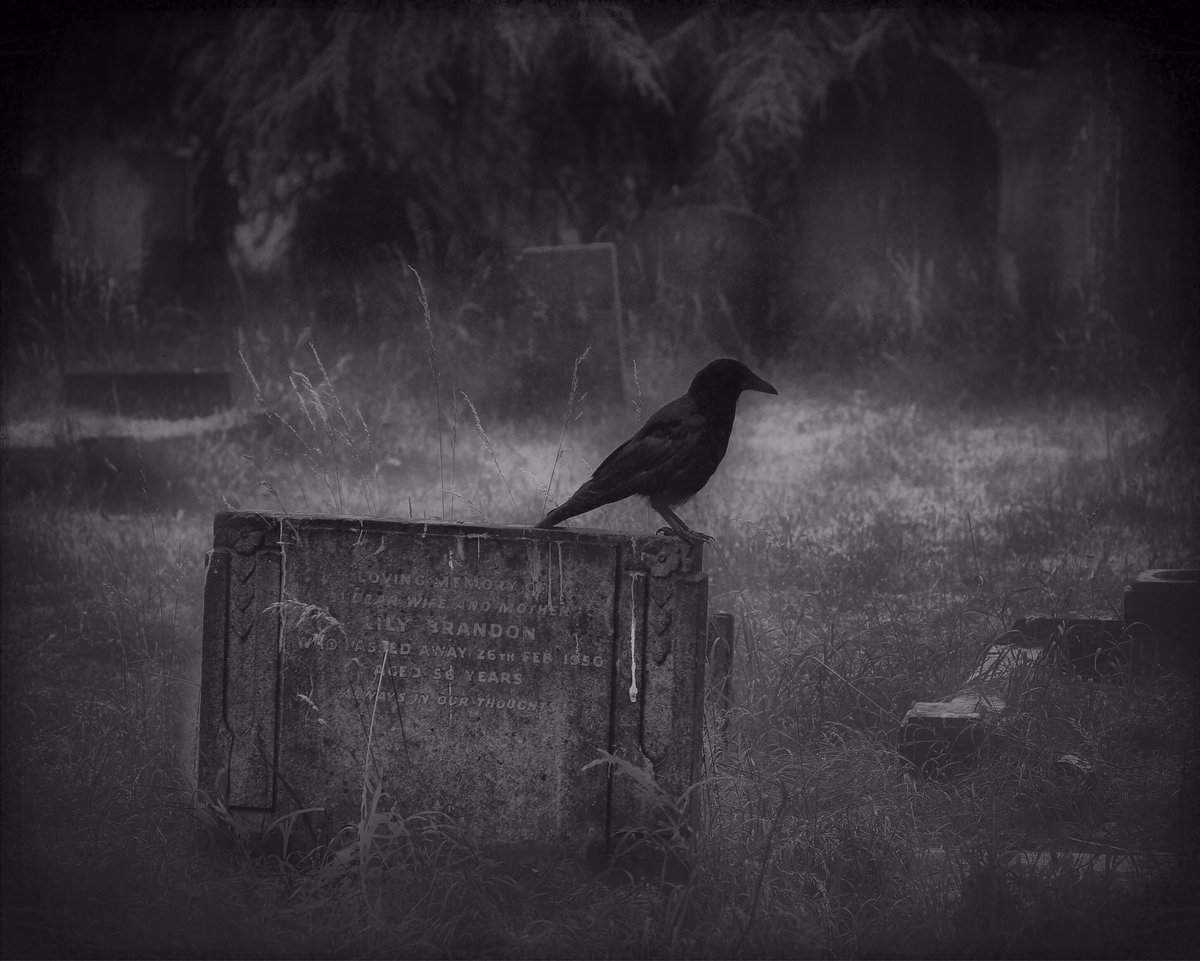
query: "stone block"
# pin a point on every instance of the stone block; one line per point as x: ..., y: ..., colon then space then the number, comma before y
x: 1086, y: 645
x: 1162, y: 610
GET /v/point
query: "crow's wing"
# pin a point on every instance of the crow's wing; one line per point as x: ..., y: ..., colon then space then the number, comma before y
x: 675, y: 452
x: 663, y: 457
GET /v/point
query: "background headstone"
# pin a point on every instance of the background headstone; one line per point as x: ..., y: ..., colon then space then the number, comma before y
x: 117, y: 203
x: 571, y: 301
x: 712, y: 266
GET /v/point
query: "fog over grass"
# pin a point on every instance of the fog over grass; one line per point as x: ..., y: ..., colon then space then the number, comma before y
x: 872, y: 539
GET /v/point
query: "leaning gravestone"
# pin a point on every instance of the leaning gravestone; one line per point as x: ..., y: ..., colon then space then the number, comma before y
x: 472, y: 670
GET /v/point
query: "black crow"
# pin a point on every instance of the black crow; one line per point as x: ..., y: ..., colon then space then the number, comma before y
x: 676, y: 451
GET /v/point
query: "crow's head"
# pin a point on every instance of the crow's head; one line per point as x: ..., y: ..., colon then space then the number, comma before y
x: 726, y: 379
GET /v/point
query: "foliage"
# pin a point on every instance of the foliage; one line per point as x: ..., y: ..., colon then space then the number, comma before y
x: 477, y: 115
x: 504, y: 121
x: 454, y: 136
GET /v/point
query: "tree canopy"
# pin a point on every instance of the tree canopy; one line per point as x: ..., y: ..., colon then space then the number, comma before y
x: 499, y: 122
x: 495, y: 119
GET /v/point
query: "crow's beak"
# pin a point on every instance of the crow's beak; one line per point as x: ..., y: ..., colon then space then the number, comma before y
x: 754, y: 382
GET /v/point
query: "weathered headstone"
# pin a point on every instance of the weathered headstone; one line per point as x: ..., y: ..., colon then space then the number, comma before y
x: 469, y: 669
x: 116, y: 202
x: 951, y: 732
x: 573, y: 301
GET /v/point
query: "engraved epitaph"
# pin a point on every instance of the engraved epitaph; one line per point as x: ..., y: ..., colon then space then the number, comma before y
x: 473, y: 670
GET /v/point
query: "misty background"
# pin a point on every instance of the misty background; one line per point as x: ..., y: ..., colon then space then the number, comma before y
x: 1007, y: 194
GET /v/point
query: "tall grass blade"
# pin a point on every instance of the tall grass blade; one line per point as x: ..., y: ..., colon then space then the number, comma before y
x: 570, y: 415
x: 435, y: 369
x: 487, y: 446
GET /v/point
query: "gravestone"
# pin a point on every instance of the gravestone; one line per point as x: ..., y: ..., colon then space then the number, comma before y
x: 712, y: 264
x: 468, y: 669
x: 949, y: 734
x: 572, y: 301
x: 115, y: 203
x: 1089, y: 645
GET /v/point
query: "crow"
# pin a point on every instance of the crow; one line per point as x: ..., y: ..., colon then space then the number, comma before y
x: 676, y: 451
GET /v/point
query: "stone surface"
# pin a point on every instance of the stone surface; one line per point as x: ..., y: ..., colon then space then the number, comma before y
x: 115, y: 203
x: 719, y: 694
x: 472, y: 670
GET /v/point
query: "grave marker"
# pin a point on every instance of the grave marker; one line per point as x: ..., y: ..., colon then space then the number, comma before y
x: 951, y: 732
x: 573, y: 294
x: 469, y: 669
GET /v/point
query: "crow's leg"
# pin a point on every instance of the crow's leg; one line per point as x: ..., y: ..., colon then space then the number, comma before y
x: 677, y: 525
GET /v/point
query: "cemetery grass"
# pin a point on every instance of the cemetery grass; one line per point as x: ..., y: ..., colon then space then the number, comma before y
x: 872, y: 540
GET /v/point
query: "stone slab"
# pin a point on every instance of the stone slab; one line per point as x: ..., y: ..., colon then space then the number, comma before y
x: 468, y: 669
x: 952, y: 731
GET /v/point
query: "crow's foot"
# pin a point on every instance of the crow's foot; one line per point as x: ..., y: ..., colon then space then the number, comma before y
x: 689, y: 535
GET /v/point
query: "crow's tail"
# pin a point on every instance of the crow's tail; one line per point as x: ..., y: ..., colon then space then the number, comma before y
x: 554, y: 518
x: 563, y: 511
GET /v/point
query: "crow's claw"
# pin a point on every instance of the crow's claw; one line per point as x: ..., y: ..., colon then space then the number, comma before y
x: 688, y: 535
